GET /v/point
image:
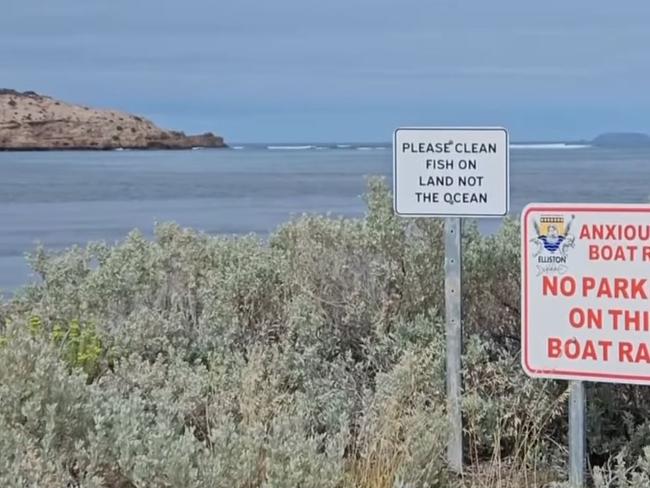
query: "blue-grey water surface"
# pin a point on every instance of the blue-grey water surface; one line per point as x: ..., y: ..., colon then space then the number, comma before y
x: 65, y: 198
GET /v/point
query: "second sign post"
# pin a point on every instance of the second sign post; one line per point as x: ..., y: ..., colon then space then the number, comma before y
x: 584, y: 299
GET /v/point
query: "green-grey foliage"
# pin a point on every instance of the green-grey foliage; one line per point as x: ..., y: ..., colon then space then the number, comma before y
x: 313, y: 359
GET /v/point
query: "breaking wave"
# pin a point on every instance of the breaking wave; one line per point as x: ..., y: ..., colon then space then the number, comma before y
x: 290, y: 148
x: 555, y: 145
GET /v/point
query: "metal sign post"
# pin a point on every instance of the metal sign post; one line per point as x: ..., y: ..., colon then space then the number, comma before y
x: 451, y: 172
x: 584, y: 300
x: 577, y: 434
x: 454, y: 341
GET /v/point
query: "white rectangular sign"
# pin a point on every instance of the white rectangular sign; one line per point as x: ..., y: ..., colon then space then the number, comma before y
x: 451, y: 172
x: 586, y: 292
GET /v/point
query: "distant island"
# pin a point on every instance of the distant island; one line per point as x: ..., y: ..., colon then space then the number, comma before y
x: 622, y: 139
x: 29, y: 121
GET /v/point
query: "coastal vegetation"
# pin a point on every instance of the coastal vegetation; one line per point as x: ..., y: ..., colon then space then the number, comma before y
x: 313, y: 358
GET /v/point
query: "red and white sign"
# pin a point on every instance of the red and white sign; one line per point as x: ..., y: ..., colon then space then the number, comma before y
x: 586, y: 292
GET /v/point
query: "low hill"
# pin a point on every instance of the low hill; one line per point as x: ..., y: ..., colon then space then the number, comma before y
x: 29, y: 121
x: 622, y: 139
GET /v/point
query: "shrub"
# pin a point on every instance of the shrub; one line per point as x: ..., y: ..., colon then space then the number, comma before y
x: 44, y: 413
x: 315, y: 358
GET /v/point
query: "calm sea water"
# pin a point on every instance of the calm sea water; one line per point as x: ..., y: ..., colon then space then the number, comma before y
x: 65, y: 198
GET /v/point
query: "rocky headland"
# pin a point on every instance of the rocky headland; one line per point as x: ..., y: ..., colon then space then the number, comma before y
x: 29, y: 121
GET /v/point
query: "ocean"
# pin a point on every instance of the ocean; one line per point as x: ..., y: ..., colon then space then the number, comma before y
x: 59, y: 199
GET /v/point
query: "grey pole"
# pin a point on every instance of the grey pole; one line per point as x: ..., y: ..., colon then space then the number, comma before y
x: 454, y: 341
x: 576, y: 434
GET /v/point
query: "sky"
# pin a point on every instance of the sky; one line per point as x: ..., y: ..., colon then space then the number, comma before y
x: 340, y: 70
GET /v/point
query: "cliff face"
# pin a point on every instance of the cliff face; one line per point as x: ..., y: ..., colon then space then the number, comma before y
x: 29, y: 121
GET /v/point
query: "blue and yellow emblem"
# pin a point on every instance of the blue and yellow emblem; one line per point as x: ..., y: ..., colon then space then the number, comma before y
x: 552, y: 231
